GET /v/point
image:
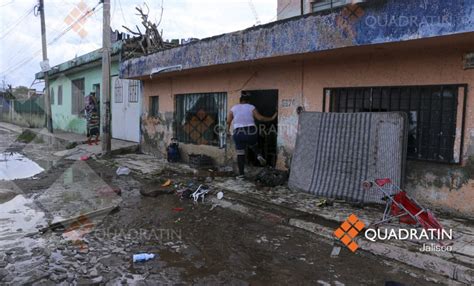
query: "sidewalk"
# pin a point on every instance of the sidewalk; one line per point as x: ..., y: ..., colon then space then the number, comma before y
x: 457, y: 265
x: 301, y: 210
x: 80, y: 149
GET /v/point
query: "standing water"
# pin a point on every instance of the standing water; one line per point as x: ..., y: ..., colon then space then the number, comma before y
x: 16, y: 166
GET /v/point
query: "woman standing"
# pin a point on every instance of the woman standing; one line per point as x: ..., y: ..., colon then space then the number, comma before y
x: 243, y: 117
x: 93, y: 119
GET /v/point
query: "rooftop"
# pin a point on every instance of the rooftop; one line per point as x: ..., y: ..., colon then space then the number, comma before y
x: 373, y: 22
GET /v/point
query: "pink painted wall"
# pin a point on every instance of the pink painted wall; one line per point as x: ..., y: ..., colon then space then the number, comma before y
x: 301, y: 80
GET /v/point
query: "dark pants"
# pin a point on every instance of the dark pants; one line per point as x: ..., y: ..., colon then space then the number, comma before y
x: 245, y: 137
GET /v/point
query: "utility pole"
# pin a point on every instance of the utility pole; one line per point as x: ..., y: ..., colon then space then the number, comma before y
x: 47, y: 99
x: 106, y: 116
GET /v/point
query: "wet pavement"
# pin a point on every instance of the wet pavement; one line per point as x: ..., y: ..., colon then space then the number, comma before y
x: 194, y: 243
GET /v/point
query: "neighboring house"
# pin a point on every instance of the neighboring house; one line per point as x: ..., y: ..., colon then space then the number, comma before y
x: 330, y: 61
x: 71, y: 81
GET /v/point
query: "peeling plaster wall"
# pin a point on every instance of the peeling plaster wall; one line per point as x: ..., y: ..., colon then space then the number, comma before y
x: 379, y: 22
x: 300, y: 82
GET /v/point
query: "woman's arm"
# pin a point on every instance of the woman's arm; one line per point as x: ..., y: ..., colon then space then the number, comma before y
x: 260, y: 117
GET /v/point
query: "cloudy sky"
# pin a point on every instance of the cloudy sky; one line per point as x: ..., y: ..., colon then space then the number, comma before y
x: 20, y: 34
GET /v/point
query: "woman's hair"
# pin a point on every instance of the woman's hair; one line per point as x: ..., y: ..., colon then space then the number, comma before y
x: 245, y: 98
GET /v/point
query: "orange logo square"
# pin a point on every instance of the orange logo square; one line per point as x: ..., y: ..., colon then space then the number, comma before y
x: 348, y: 230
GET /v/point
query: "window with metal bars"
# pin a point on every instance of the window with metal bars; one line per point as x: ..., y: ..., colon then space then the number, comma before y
x: 200, y: 118
x: 432, y: 114
x: 118, y: 91
x: 322, y: 5
x: 133, y: 91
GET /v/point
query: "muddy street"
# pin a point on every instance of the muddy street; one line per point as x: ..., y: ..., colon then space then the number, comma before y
x: 195, y: 243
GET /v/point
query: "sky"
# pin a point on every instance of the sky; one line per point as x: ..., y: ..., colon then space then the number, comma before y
x: 20, y: 30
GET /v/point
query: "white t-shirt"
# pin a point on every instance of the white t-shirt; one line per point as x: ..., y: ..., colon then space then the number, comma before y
x: 243, y: 115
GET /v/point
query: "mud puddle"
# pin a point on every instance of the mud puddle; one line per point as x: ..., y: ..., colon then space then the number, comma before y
x: 14, y: 166
x: 18, y: 219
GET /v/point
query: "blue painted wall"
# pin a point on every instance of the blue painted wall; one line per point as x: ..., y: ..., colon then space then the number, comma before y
x: 376, y: 22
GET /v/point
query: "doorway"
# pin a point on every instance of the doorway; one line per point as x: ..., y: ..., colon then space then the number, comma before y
x: 266, y: 102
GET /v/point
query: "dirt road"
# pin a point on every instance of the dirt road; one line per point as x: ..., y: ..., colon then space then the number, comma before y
x: 193, y: 243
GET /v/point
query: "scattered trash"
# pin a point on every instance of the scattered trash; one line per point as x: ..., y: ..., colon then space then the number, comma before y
x: 213, y: 207
x: 167, y: 183
x: 225, y: 169
x: 184, y: 193
x: 141, y: 257
x: 71, y: 145
x: 178, y: 209
x: 201, y: 192
x: 325, y: 203
x: 123, y: 171
x: 178, y: 220
x: 109, y: 191
x: 220, y: 195
x: 270, y: 177
x: 85, y: 158
x: 335, y: 251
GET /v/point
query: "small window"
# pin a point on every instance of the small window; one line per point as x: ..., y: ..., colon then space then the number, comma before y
x: 118, y: 91
x: 431, y: 112
x: 133, y: 91
x: 51, y: 96
x: 154, y: 106
x: 60, y: 95
x: 201, y: 118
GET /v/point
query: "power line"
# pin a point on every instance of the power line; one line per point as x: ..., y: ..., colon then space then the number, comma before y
x: 55, y: 39
x: 6, y: 4
x: 14, y: 25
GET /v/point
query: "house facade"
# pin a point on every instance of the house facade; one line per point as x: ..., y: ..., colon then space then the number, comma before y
x: 71, y: 81
x: 376, y: 56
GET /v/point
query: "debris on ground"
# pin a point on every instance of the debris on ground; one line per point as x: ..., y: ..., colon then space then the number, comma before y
x: 167, y: 183
x: 220, y: 195
x: 325, y: 203
x: 85, y: 158
x: 200, y: 193
x: 141, y: 257
x: 335, y: 251
x: 270, y: 177
x: 178, y: 209
x: 184, y: 193
x: 71, y: 145
x: 26, y: 136
x: 123, y: 171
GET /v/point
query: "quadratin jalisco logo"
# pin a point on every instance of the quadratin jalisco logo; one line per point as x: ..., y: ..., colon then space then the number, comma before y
x: 348, y: 230
x: 77, y: 18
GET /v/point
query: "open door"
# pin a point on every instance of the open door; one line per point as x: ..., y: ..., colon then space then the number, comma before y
x: 266, y: 102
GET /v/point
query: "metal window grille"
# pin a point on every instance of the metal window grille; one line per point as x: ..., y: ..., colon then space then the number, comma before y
x: 154, y: 106
x: 60, y: 95
x: 432, y: 114
x: 200, y: 118
x: 51, y: 96
x: 118, y: 91
x: 322, y: 5
x: 77, y: 94
x: 133, y: 91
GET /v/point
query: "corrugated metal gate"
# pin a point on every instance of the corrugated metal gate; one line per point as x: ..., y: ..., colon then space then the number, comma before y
x: 335, y: 152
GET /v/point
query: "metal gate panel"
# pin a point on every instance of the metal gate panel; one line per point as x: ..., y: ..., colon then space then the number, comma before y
x: 336, y: 152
